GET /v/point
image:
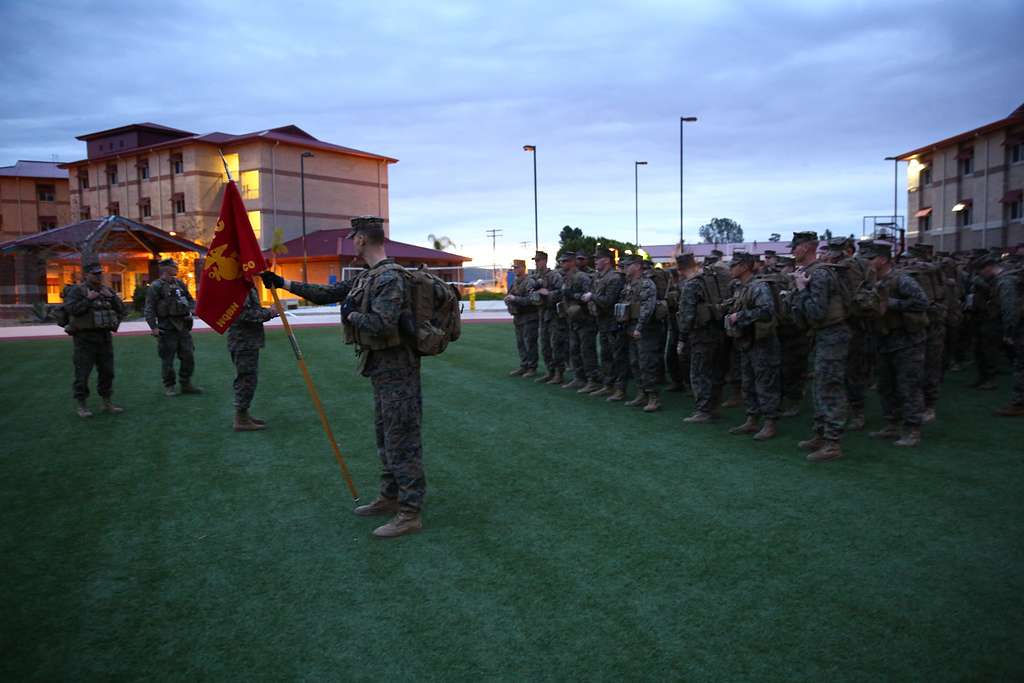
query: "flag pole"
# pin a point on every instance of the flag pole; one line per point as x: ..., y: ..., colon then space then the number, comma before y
x: 305, y: 374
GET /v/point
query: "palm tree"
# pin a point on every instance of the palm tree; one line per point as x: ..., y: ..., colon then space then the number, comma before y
x: 440, y: 243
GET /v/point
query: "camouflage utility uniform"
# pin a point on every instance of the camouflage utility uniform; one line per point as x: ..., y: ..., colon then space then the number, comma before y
x: 245, y: 339
x: 582, y: 329
x: 554, y: 359
x: 607, y: 289
x: 645, y: 353
x: 901, y: 348
x: 524, y: 305
x: 760, y: 352
x: 169, y: 307
x: 703, y: 331
x: 92, y: 324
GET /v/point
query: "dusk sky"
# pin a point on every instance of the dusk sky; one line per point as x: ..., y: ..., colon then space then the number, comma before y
x: 798, y: 102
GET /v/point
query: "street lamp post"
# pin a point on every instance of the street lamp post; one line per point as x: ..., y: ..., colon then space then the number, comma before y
x: 533, y: 149
x: 636, y: 200
x: 302, y: 194
x: 895, y: 205
x: 682, y: 120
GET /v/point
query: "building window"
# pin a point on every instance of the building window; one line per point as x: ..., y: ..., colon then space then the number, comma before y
x: 145, y: 207
x: 144, y: 170
x: 178, y: 201
x: 46, y: 193
x: 963, y: 217
x: 177, y: 165
x: 111, y: 175
x: 926, y: 176
x: 250, y: 184
x: 85, y: 214
x: 1017, y: 153
x: 965, y: 165
x: 255, y: 220
x: 83, y: 180
x: 1017, y: 210
x: 47, y: 222
x: 924, y: 223
x: 114, y: 209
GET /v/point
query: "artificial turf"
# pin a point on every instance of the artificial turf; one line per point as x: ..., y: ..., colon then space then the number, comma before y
x: 565, y: 538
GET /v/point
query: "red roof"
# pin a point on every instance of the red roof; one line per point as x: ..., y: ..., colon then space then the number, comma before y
x: 1015, y: 117
x: 133, y: 126
x: 124, y: 234
x: 332, y: 243
x: 289, y: 135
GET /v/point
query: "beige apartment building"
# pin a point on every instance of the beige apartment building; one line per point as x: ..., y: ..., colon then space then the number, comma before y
x: 967, y: 191
x: 174, y: 180
x: 33, y: 198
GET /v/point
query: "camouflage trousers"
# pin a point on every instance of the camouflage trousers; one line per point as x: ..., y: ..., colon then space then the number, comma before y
x: 761, y: 369
x: 93, y: 348
x: 1017, y: 397
x: 707, y: 373
x: 398, y: 416
x: 583, y: 350
x: 527, y: 328
x: 831, y: 346
x: 646, y: 355
x: 676, y: 364
x: 857, y: 377
x: 247, y: 370
x: 614, y: 354
x: 986, y: 350
x: 900, y: 384
x: 554, y: 333
x: 173, y: 343
x: 934, y: 354
x: 544, y: 340
x: 796, y: 348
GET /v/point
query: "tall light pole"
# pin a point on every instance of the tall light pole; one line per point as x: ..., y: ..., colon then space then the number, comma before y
x: 636, y: 200
x: 682, y: 120
x: 302, y: 194
x: 494, y: 234
x: 533, y: 148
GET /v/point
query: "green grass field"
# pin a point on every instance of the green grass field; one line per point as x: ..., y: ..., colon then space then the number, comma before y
x: 565, y: 539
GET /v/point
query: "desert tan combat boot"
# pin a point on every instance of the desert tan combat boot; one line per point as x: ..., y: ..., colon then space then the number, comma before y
x: 189, y: 388
x: 699, y: 417
x: 856, y: 421
x: 530, y: 372
x: 576, y: 383
x: 170, y: 391
x: 653, y: 403
x: 244, y: 423
x: 890, y: 431
x: 109, y: 407
x: 748, y: 427
x: 589, y: 387
x: 767, y: 431
x: 603, y: 391
x: 911, y: 437
x: 641, y: 398
x: 545, y: 378
x: 379, y: 506
x: 812, y: 444
x: 403, y: 523
x: 928, y: 416
x: 830, y: 451
x: 82, y: 409
x: 619, y: 394
x: 557, y: 378
x: 518, y: 372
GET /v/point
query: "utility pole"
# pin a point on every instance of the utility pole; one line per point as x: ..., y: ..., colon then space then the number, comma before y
x: 494, y: 234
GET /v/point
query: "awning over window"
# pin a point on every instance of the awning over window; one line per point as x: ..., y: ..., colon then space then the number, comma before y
x: 1012, y: 197
x: 966, y: 153
x: 962, y: 204
x: 923, y: 213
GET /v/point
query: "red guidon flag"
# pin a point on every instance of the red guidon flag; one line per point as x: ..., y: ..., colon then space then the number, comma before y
x: 232, y: 261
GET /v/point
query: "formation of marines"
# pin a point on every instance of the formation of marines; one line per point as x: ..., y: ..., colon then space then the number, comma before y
x: 833, y: 316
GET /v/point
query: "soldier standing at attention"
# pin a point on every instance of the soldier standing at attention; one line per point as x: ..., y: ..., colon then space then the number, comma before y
x: 644, y: 332
x: 1009, y: 291
x: 753, y: 327
x: 854, y: 271
x: 582, y: 329
x: 903, y: 330
x: 371, y: 310
x: 245, y: 339
x: 94, y: 313
x: 614, y: 352
x: 820, y: 302
x: 523, y: 303
x: 559, y: 327
x: 548, y: 281
x: 700, y: 323
x: 677, y: 364
x: 168, y: 312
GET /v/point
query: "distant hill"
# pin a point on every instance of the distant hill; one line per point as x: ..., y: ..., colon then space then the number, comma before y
x: 474, y: 273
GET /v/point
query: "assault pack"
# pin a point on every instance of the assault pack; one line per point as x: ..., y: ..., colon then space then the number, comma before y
x: 932, y: 281
x: 716, y: 286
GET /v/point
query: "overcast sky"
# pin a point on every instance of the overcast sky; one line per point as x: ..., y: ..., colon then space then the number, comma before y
x: 798, y: 102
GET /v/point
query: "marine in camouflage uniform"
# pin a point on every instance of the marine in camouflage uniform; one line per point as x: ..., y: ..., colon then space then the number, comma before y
x: 168, y: 313
x: 614, y: 350
x: 677, y: 364
x: 549, y: 281
x: 645, y: 333
x: 986, y: 323
x: 245, y: 339
x: 555, y: 321
x: 819, y: 303
x: 582, y: 330
x: 699, y: 322
x: 902, y: 333
x: 1009, y: 286
x: 94, y: 312
x: 371, y: 310
x: 935, y: 344
x: 524, y: 303
x: 752, y: 326
x: 854, y: 271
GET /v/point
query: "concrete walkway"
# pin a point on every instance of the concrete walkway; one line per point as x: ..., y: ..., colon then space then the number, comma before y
x: 311, y: 316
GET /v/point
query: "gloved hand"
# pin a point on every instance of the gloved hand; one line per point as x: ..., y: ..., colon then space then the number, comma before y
x: 347, y: 306
x: 272, y: 280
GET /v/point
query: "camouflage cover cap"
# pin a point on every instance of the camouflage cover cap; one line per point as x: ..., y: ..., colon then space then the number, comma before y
x: 365, y: 224
x: 168, y: 263
x: 984, y: 261
x: 839, y: 244
x: 921, y: 250
x: 686, y: 261
x: 770, y: 252
x: 717, y: 253
x: 602, y: 252
x: 801, y: 237
x: 876, y: 248
x: 92, y: 267
x: 741, y: 258
x: 519, y: 263
x: 630, y: 259
x: 540, y: 256
x: 566, y: 256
